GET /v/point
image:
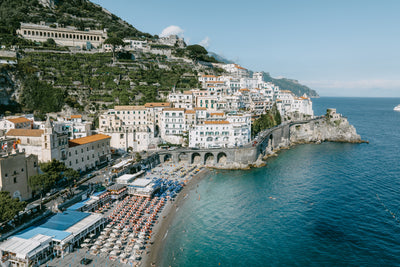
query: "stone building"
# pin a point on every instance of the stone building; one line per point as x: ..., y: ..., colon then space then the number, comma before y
x: 88, y: 152
x: 15, y: 169
x: 80, y: 154
x: 68, y: 36
x: 45, y: 143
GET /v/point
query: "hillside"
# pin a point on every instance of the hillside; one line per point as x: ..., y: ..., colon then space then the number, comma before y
x: 291, y: 85
x: 90, y: 81
x: 79, y: 13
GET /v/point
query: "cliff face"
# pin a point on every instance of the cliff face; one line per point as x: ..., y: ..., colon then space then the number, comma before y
x: 338, y: 130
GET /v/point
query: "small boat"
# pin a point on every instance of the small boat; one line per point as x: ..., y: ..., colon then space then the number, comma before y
x: 397, y: 108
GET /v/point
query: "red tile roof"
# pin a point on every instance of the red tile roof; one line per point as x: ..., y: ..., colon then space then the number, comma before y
x: 25, y: 132
x: 19, y: 120
x: 88, y: 139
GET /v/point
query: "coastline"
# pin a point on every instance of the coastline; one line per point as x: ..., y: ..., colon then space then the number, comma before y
x: 160, y: 230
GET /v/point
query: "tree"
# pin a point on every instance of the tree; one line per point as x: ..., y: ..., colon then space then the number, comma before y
x: 50, y: 43
x: 9, y: 207
x: 196, y: 52
x: 53, y: 166
x: 138, y: 157
x: 41, y: 183
x: 71, y: 175
x: 41, y: 96
x: 114, y: 42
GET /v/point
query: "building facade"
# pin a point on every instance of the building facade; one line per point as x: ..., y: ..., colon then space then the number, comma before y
x: 15, y: 169
x: 68, y: 36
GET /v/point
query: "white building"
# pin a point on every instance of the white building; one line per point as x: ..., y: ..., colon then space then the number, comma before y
x: 133, y: 45
x: 173, y: 125
x: 68, y: 36
x: 15, y: 123
x: 232, y: 132
x: 182, y: 100
x: 131, y: 127
x: 80, y: 154
x: 88, y: 152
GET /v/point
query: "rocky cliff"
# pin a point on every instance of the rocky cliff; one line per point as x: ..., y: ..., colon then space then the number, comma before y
x: 333, y: 130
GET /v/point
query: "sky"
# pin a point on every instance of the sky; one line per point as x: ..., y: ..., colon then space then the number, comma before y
x: 338, y: 48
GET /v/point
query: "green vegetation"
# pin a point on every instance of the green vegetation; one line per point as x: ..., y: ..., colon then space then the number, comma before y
x: 291, y: 85
x: 81, y: 80
x: 270, y: 119
x: 54, y: 173
x: 40, y: 96
x: 114, y: 42
x: 199, y: 53
x: 9, y: 207
x: 138, y: 157
x: 79, y: 13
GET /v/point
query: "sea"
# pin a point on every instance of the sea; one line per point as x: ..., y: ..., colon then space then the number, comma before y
x: 329, y: 204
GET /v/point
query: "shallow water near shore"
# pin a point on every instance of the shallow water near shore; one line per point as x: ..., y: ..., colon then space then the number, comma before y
x: 328, y: 204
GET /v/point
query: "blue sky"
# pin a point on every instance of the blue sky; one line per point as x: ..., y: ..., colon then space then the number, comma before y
x: 339, y: 48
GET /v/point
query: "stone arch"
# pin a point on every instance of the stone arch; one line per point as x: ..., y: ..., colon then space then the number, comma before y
x: 196, y: 158
x: 167, y: 157
x: 183, y: 157
x: 209, y: 158
x: 221, y: 158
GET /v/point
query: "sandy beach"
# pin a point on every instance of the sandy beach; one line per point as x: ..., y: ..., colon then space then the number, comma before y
x: 157, y: 241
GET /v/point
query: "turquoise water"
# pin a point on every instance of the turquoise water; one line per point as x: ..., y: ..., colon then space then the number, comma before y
x: 329, y: 204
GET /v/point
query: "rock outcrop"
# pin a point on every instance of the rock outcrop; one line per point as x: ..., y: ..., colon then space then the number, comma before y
x: 338, y: 130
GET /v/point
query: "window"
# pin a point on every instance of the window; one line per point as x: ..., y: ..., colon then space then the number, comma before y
x: 15, y: 180
x: 22, y: 170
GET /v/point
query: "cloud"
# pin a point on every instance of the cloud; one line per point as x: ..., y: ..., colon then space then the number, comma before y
x: 172, y: 30
x: 205, y: 42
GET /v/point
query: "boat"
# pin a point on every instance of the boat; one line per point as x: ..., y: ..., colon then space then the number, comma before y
x: 397, y: 108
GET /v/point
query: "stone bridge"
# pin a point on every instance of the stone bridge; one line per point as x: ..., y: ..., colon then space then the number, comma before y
x: 266, y: 141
